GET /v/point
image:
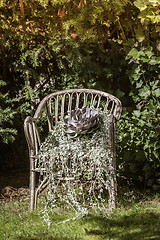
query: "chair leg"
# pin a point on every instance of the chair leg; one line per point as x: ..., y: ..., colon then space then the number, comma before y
x: 113, y: 182
x: 39, y: 189
x: 113, y: 193
x: 32, y: 190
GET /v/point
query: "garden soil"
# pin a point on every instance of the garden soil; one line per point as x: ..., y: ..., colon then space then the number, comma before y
x: 14, y: 185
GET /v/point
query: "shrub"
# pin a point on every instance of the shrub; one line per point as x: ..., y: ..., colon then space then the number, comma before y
x: 140, y: 129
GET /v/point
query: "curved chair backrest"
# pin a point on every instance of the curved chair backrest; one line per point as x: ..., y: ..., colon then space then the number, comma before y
x: 60, y: 103
x: 57, y: 105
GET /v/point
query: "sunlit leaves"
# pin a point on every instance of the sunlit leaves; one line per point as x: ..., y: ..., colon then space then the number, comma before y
x: 140, y: 34
x: 149, y: 13
x: 141, y: 4
x: 2, y: 2
x: 134, y: 53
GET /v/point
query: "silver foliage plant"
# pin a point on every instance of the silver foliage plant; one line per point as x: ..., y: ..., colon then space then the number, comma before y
x: 78, y: 169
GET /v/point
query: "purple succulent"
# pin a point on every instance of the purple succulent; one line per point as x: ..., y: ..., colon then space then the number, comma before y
x: 81, y: 121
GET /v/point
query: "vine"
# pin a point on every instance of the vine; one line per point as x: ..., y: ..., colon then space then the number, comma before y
x: 78, y: 170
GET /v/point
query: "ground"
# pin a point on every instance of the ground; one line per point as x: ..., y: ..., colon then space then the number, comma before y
x: 136, y: 218
x: 14, y: 185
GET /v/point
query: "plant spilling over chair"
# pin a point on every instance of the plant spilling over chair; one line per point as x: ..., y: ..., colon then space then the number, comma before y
x: 76, y: 161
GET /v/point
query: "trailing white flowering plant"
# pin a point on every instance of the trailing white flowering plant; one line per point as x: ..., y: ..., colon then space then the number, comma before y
x: 78, y: 168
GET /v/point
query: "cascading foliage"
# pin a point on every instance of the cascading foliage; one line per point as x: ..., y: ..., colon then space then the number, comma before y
x: 78, y: 169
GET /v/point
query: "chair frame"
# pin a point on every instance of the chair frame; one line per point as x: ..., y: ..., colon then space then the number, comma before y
x: 112, y: 104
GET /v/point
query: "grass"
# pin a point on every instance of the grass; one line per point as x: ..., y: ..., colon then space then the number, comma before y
x: 130, y: 221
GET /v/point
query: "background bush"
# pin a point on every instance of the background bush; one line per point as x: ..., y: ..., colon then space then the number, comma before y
x: 47, y: 46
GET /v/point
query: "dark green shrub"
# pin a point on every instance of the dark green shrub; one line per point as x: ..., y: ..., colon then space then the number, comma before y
x: 140, y: 129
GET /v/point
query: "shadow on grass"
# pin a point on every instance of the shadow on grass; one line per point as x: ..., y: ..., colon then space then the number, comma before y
x: 132, y: 227
x: 135, y: 226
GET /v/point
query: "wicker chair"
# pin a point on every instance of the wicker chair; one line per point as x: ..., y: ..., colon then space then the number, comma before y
x: 54, y: 107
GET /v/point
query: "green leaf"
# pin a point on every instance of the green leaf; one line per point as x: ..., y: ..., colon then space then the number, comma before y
x: 154, y: 2
x: 140, y: 35
x: 156, y: 92
x: 134, y: 53
x: 139, y: 84
x: 145, y: 92
x: 149, y: 51
x: 157, y: 19
x: 156, y: 154
x: 154, y: 61
x: 119, y: 93
x: 137, y: 113
x: 144, y: 59
x: 141, y: 4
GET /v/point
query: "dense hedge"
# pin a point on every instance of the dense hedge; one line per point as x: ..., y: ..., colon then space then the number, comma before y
x: 112, y: 46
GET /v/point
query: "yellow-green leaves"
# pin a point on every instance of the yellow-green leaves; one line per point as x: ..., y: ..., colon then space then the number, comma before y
x: 144, y: 4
